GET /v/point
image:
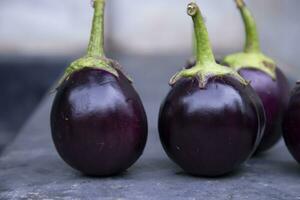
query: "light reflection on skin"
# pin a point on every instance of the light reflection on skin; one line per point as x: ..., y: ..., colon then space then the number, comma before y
x: 104, y: 98
x: 217, y: 99
x: 223, y: 104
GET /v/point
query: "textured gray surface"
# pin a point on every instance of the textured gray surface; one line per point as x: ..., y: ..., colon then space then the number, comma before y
x: 31, y: 169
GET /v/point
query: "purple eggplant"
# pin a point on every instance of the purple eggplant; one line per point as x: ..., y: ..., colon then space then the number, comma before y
x: 211, y: 121
x: 291, y: 124
x: 98, y: 122
x: 274, y: 95
x: 264, y: 76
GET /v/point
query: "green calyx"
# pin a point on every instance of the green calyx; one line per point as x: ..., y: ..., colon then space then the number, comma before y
x: 251, y: 60
x: 204, y: 73
x: 90, y: 62
x: 252, y: 57
x: 95, y: 57
x: 206, y: 66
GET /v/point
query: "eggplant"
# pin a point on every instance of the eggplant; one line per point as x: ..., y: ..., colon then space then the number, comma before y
x: 291, y: 124
x: 211, y: 121
x: 98, y: 122
x: 265, y: 78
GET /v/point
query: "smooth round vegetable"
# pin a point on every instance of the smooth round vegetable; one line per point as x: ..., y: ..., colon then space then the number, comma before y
x: 291, y: 124
x: 210, y: 131
x: 98, y: 122
x: 264, y: 76
x: 274, y: 96
x: 211, y: 121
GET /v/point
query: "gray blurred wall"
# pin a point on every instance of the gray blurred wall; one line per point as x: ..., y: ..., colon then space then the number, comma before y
x: 145, y: 27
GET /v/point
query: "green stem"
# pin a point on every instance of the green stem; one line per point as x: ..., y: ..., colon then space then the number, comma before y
x: 206, y: 66
x: 96, y: 44
x: 204, y: 54
x: 252, y: 38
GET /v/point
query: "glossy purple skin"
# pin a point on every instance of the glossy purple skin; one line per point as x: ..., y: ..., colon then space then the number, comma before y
x: 274, y: 96
x: 211, y: 131
x: 98, y: 122
x: 291, y: 124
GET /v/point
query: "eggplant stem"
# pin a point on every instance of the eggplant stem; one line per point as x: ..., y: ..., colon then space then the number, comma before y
x: 96, y: 44
x: 206, y: 66
x: 204, y: 54
x: 252, y: 38
x: 240, y: 3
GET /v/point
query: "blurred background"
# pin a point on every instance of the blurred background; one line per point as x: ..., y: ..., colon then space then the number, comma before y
x: 38, y: 38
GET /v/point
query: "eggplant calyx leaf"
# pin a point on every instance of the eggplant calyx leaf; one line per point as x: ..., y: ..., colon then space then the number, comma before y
x: 204, y: 72
x: 251, y: 60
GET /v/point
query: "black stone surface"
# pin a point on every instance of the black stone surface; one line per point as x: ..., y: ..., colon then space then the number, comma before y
x: 31, y: 169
